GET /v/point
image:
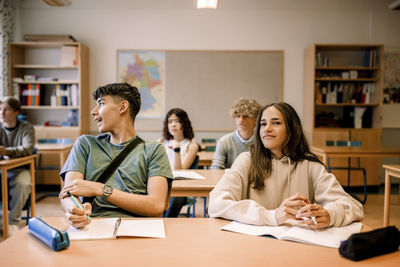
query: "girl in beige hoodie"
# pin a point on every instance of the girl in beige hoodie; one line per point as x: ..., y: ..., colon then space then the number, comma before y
x: 280, y: 181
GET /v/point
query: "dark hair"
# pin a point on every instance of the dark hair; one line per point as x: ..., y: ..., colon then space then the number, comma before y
x: 296, y: 146
x: 123, y: 90
x: 12, y: 102
x: 183, y: 119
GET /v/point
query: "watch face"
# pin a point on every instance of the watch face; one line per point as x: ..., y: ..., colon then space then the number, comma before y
x: 107, y: 189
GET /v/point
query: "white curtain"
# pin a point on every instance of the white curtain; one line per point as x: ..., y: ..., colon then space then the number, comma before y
x: 7, y: 22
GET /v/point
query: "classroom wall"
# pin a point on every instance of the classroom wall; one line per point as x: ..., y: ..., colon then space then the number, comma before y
x: 288, y: 25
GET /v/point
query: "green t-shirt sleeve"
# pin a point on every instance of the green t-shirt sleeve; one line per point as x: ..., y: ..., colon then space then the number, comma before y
x: 159, y: 163
x: 77, y: 158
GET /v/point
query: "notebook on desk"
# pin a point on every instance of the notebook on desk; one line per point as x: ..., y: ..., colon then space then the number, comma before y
x: 111, y: 228
x: 186, y: 174
x: 328, y: 237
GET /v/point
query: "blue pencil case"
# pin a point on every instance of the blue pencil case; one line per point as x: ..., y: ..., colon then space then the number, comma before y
x: 51, y: 236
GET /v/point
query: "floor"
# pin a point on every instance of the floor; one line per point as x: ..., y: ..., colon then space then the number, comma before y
x: 373, y: 209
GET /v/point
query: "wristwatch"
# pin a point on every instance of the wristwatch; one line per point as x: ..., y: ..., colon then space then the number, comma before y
x: 107, y: 191
x: 177, y: 149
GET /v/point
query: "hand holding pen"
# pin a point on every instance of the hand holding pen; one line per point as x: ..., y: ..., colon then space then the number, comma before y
x: 76, y: 222
x: 315, y: 216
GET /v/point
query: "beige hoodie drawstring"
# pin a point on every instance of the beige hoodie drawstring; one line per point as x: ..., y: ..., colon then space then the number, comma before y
x: 274, y: 177
x: 288, y: 178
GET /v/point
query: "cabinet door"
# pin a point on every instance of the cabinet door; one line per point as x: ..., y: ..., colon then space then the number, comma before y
x: 368, y: 138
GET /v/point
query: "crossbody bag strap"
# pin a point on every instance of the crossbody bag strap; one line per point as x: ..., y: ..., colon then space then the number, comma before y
x: 106, y: 174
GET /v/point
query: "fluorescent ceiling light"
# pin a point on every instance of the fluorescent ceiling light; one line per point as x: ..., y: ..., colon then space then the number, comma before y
x: 207, y: 3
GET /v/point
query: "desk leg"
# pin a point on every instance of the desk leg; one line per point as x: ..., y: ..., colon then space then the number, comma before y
x: 386, y: 209
x: 4, y: 186
x: 33, y: 190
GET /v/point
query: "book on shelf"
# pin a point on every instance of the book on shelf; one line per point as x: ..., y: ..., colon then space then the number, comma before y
x: 29, y: 94
x: 328, y: 237
x: 111, y: 228
x: 322, y: 61
x: 370, y: 58
x: 343, y: 93
x: 74, y: 94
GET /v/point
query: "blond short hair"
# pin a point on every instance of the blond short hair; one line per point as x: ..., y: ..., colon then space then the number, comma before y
x: 247, y: 107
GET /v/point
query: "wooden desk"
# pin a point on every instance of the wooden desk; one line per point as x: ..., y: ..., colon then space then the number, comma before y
x: 9, y: 164
x: 205, y: 158
x: 326, y: 152
x: 189, y: 242
x: 394, y: 171
x: 61, y: 150
x: 197, y: 188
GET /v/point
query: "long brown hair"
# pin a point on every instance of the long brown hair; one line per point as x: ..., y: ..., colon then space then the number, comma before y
x: 183, y: 119
x: 296, y: 146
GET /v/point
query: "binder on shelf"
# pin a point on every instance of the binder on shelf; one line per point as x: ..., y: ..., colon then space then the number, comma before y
x: 58, y: 95
x: 29, y: 94
x: 75, y: 95
x: 37, y: 95
x: 33, y: 94
x: 64, y: 95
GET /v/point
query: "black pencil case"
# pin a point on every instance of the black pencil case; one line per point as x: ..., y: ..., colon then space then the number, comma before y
x: 51, y: 236
x: 370, y: 244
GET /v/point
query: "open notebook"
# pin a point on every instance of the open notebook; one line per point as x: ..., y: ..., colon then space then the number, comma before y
x: 110, y: 228
x: 186, y: 174
x: 328, y: 237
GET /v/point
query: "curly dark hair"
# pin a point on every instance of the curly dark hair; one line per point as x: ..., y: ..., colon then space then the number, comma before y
x: 123, y: 90
x: 183, y: 119
x: 296, y: 146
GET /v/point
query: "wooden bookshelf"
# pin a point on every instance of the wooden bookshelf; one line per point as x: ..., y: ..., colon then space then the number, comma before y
x: 340, y: 78
x: 67, y: 83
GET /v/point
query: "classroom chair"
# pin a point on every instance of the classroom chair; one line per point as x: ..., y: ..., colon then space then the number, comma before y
x: 349, y: 168
x: 208, y: 140
x: 190, y: 201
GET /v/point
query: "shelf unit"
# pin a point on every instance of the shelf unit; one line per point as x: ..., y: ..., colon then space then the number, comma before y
x: 341, y: 80
x: 67, y: 80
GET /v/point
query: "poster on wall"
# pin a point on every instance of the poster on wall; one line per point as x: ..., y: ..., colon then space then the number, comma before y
x: 391, y: 91
x: 146, y: 71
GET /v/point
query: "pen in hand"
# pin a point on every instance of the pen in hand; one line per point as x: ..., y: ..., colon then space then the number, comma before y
x: 77, y: 204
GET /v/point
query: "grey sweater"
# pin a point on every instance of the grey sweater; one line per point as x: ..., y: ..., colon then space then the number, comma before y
x: 18, y: 141
x: 228, y: 149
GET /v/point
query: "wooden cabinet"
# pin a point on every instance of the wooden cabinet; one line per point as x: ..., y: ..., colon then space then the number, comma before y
x: 341, y: 82
x: 368, y: 138
x: 51, y: 81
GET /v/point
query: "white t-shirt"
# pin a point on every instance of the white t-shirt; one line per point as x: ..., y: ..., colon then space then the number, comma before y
x: 184, y: 144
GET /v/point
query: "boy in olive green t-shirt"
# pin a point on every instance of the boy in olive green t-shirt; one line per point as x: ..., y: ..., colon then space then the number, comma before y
x: 138, y: 187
